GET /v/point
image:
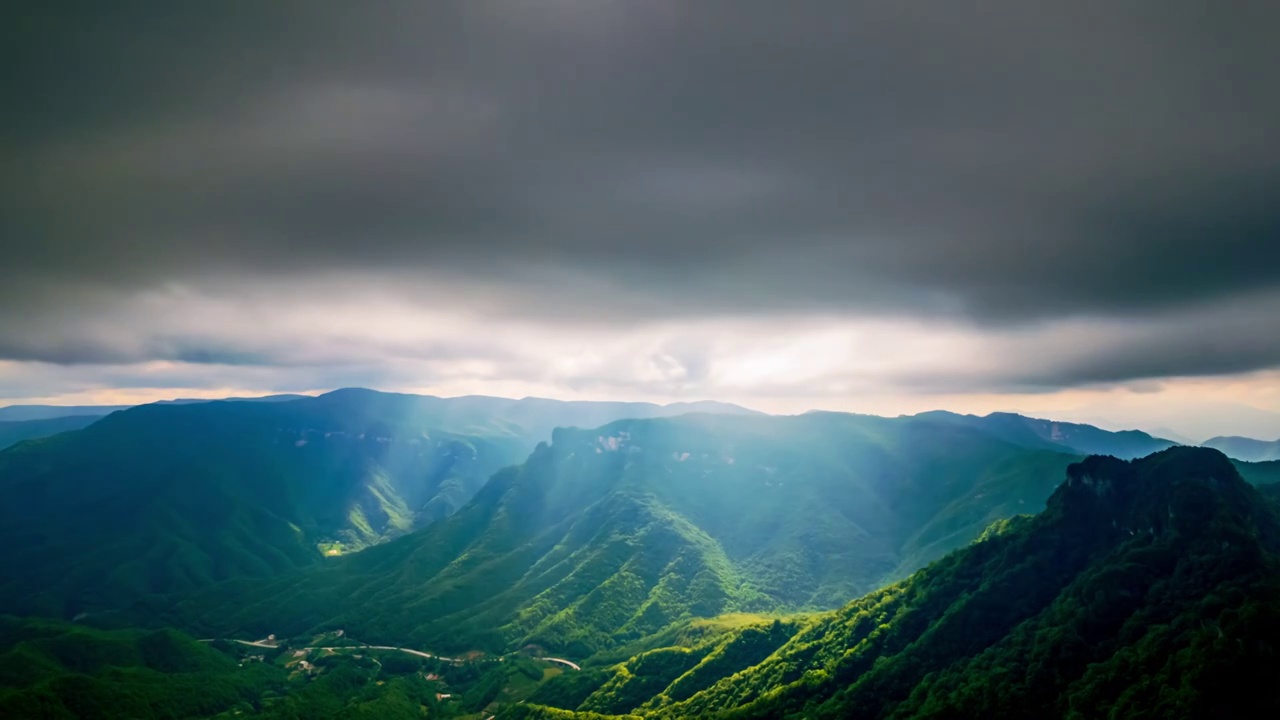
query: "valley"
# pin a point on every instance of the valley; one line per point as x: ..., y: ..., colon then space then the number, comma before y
x: 171, y: 497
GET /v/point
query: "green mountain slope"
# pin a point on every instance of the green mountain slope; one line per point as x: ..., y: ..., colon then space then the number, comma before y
x: 15, y: 431
x: 1259, y: 473
x: 1246, y: 449
x: 57, y: 670
x: 171, y: 497
x: 1148, y: 589
x: 608, y: 535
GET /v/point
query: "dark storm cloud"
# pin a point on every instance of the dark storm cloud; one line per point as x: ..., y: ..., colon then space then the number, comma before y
x: 1223, y: 338
x: 1005, y: 164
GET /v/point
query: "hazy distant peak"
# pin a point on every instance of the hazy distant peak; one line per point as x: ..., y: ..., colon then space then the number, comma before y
x: 1247, y: 449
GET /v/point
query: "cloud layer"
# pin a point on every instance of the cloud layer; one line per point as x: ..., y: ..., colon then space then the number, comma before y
x: 992, y: 199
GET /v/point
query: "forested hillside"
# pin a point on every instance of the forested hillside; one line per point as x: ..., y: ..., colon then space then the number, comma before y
x: 607, y: 535
x: 57, y: 670
x: 1148, y: 589
x: 171, y: 497
x: 1145, y: 589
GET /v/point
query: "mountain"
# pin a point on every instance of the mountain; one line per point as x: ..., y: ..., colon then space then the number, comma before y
x: 1189, y: 418
x: 1063, y: 436
x: 1171, y: 434
x: 284, y: 397
x: 47, y: 412
x: 14, y: 413
x: 170, y: 497
x: 1247, y: 449
x: 13, y: 432
x: 607, y: 535
x: 45, y: 420
x: 1261, y: 474
x: 1146, y: 589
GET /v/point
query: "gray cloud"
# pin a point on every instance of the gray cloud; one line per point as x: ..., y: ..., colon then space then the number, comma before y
x: 1003, y: 168
x: 1224, y: 338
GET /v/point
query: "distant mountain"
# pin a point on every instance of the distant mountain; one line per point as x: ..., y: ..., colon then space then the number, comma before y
x: 14, y: 413
x: 47, y: 412
x: 705, y: 406
x: 285, y: 397
x: 1148, y: 589
x: 1247, y: 449
x: 1064, y: 436
x: 607, y: 535
x: 1171, y: 434
x: 173, y: 496
x: 15, y: 431
x: 38, y: 425
x: 1191, y: 420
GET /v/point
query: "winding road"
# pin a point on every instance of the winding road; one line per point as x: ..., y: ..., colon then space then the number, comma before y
x: 419, y: 653
x: 258, y: 644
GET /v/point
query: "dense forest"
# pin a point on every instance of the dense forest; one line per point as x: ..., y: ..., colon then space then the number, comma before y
x: 607, y: 535
x: 1148, y: 589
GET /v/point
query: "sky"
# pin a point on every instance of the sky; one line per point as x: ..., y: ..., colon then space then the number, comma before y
x: 1070, y: 209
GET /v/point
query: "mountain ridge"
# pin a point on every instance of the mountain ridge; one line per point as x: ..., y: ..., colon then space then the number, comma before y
x: 1077, y: 437
x: 1244, y: 448
x: 13, y: 432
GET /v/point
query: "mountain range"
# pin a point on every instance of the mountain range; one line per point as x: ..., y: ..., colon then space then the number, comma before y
x: 1078, y: 438
x: 174, y: 496
x: 694, y: 560
x: 19, y: 413
x: 606, y: 535
x: 13, y: 432
x: 26, y: 422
